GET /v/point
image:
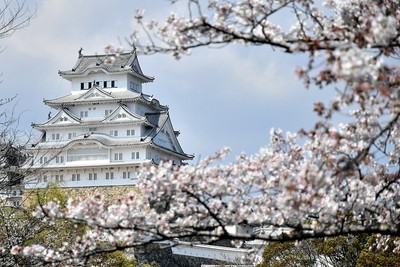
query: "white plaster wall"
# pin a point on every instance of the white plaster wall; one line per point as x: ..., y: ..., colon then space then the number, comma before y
x: 210, y: 252
x: 94, y: 111
x: 127, y: 154
x: 71, y: 155
x: 32, y: 181
x: 84, y: 183
x: 120, y: 80
x: 106, y: 129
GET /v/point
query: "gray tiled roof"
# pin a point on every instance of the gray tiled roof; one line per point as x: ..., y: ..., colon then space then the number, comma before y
x: 157, y: 118
x: 160, y: 119
x: 89, y: 123
x: 124, y: 62
x: 74, y: 98
x: 106, y: 140
x: 115, y: 97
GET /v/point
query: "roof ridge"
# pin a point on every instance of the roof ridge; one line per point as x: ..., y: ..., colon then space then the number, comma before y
x: 109, y: 54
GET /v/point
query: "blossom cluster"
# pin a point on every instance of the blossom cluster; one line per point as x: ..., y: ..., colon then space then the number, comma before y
x: 310, y: 189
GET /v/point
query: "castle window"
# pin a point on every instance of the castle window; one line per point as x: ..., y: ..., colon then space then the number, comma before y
x: 59, y: 159
x: 135, y: 155
x: 107, y: 111
x: 112, y: 83
x: 59, y: 178
x: 45, y: 178
x: 71, y: 135
x: 118, y: 156
x: 114, y: 133
x: 84, y: 114
x: 92, y: 176
x: 55, y: 136
x: 105, y: 84
x: 109, y: 175
x: 43, y: 160
x: 126, y: 175
x: 90, y: 85
x: 76, y: 177
x: 82, y: 86
x: 92, y: 129
x: 130, y: 132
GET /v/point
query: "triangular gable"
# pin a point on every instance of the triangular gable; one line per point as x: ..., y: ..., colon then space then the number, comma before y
x: 169, y: 130
x: 63, y: 116
x: 166, y: 133
x: 95, y: 93
x: 122, y: 113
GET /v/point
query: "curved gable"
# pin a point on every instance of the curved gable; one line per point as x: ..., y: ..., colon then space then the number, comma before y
x: 122, y: 113
x: 95, y: 93
x: 167, y: 137
x: 64, y: 116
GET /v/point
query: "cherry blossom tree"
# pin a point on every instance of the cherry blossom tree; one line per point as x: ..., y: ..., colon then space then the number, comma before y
x: 334, y: 179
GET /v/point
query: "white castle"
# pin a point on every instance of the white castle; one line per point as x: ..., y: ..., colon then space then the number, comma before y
x: 105, y: 129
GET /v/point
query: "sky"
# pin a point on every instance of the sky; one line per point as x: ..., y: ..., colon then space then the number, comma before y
x: 230, y: 96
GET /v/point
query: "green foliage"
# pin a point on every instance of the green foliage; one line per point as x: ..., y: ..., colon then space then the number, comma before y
x: 371, y: 257
x: 342, y: 251
x: 51, y: 193
x: 61, y: 230
x: 281, y: 254
x: 116, y: 258
x: 19, y: 227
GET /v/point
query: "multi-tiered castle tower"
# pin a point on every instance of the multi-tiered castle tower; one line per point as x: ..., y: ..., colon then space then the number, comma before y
x: 105, y: 129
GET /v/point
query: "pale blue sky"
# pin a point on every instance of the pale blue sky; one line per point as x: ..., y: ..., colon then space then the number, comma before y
x: 217, y: 97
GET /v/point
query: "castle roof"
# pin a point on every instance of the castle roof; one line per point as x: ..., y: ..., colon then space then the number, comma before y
x: 108, y: 63
x: 107, y: 142
x: 103, y: 96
